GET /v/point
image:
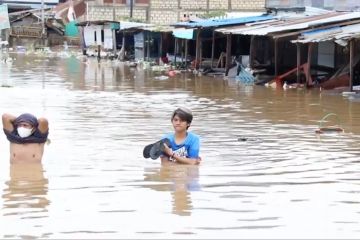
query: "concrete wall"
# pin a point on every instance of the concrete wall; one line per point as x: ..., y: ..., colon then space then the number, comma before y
x: 100, y: 12
x: 170, y: 11
x: 248, y: 5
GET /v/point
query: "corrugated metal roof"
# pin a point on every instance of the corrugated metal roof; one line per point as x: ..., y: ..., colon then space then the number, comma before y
x: 157, y: 28
x: 335, y: 33
x: 291, y: 24
x: 131, y: 25
x: 222, y: 22
x: 184, y: 33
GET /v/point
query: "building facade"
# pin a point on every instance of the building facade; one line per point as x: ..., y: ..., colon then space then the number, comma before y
x: 166, y: 11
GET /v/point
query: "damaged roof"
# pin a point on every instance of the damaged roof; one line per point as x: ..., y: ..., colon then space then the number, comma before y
x: 338, y: 34
x: 282, y: 25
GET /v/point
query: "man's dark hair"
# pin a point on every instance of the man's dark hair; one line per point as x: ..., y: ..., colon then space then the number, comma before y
x: 183, y: 113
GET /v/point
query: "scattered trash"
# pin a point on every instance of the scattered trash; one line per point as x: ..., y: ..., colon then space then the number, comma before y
x: 330, y: 128
x: 21, y: 49
x: 161, y: 77
x: 172, y: 73
x: 246, y: 139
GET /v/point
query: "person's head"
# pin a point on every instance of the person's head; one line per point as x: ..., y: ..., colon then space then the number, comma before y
x: 183, y: 114
x: 26, y: 124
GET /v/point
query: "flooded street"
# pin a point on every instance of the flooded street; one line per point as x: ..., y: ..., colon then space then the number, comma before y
x: 265, y: 172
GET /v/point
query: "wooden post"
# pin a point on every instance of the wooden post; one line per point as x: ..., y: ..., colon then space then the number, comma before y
x: 148, y: 46
x: 308, y: 70
x: 161, y: 45
x: 186, y: 53
x: 197, y: 48
x: 175, y: 50
x: 200, y: 52
x: 298, y: 62
x: 228, y: 54
x: 99, y: 49
x: 114, y: 30
x: 252, y: 52
x: 213, y: 49
x: 181, y: 51
x: 114, y: 41
x: 351, y: 52
x: 276, y: 65
x: 122, y: 50
x: 82, y: 41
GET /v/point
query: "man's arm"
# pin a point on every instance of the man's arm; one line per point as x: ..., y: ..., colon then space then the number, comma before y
x: 183, y: 160
x: 8, y: 120
x: 43, y: 125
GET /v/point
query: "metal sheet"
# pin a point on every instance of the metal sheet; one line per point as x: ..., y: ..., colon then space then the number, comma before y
x: 329, y: 34
x: 223, y: 22
x: 184, y: 33
x: 292, y: 24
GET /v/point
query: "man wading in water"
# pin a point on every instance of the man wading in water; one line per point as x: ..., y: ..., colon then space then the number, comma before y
x: 27, y: 136
x: 183, y: 146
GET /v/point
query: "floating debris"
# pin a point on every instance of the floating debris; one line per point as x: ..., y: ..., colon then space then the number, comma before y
x: 331, y: 128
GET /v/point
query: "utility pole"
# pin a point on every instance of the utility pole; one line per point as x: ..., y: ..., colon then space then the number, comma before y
x: 131, y: 8
x: 113, y: 10
x: 42, y: 23
x: 114, y: 31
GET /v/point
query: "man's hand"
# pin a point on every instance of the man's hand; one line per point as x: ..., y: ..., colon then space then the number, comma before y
x: 168, y: 150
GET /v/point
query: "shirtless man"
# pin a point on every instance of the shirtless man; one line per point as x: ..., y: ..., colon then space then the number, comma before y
x: 27, y: 136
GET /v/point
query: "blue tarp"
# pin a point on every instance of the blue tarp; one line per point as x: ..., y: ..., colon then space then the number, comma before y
x: 71, y: 29
x: 223, y: 22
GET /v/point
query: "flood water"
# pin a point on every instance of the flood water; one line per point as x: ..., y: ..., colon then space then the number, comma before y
x: 265, y: 172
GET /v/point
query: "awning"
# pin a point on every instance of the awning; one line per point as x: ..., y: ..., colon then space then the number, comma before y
x: 184, y: 33
x: 338, y: 34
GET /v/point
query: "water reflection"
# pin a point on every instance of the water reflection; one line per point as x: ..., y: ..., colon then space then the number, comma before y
x: 26, y: 191
x: 283, y: 181
x: 179, y: 181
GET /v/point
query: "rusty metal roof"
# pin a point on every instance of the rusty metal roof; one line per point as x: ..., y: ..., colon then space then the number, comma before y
x: 283, y: 25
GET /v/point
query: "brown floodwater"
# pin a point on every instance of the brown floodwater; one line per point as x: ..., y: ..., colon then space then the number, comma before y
x: 265, y: 172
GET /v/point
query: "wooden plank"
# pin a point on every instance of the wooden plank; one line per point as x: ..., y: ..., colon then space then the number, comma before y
x: 213, y: 49
x: 298, y: 62
x: 228, y: 54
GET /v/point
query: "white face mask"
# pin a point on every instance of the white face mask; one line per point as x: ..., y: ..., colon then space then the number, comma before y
x: 24, y: 132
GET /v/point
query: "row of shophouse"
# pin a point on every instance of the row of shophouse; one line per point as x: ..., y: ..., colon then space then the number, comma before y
x: 304, y: 43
